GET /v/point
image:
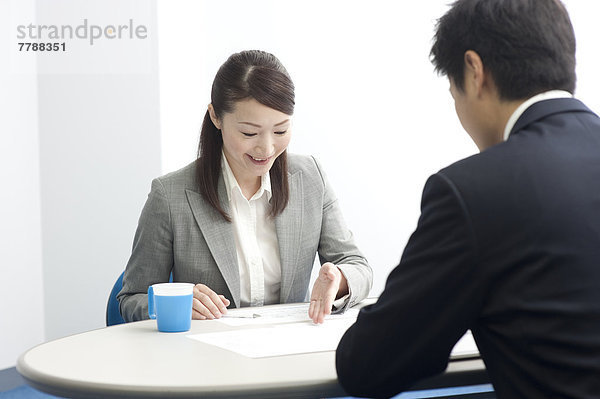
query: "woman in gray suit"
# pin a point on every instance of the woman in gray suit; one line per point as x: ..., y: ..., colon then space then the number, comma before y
x: 244, y: 221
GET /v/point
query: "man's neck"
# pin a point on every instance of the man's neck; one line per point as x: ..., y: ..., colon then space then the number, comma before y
x: 505, y: 110
x: 498, y: 113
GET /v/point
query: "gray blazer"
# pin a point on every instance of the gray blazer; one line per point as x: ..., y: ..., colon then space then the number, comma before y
x: 180, y: 232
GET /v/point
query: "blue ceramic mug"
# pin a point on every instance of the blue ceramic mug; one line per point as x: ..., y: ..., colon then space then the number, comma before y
x: 171, y: 305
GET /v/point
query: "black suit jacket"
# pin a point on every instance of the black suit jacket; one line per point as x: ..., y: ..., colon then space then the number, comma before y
x: 508, y: 245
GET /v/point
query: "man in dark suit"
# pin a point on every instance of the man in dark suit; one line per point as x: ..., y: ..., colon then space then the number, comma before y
x: 508, y: 242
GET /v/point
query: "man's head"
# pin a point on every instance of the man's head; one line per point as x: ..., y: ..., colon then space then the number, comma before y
x: 498, y: 53
x: 527, y: 46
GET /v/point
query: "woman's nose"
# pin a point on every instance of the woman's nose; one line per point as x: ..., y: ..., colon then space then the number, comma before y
x: 265, y: 145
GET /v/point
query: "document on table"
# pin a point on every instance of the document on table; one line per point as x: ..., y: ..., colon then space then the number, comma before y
x: 277, y: 315
x: 465, y: 347
x: 280, y: 340
x: 287, y: 330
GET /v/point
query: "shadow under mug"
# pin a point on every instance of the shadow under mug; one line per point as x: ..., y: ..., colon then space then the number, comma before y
x: 171, y: 305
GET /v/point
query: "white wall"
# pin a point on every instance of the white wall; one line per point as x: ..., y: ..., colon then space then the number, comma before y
x: 99, y: 150
x: 587, y: 32
x: 368, y: 102
x: 80, y: 144
x: 21, y: 289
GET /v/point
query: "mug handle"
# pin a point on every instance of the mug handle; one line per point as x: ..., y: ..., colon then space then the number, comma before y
x: 151, y: 311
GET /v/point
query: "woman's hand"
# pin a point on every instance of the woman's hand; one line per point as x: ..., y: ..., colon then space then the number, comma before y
x: 207, y: 304
x: 330, y: 284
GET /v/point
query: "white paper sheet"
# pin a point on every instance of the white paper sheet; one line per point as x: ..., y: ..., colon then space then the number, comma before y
x: 276, y: 315
x: 465, y: 347
x: 280, y: 340
x: 288, y: 330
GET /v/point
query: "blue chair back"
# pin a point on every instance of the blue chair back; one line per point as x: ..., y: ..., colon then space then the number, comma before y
x: 113, y: 313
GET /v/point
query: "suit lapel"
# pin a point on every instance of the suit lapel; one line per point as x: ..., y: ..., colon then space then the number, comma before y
x: 218, y: 234
x: 288, y: 226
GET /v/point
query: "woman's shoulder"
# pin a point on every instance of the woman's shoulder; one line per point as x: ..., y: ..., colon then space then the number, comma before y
x: 305, y: 163
x: 181, y: 179
x: 308, y: 165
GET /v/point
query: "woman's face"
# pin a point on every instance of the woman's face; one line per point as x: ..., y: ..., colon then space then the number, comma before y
x: 254, y: 135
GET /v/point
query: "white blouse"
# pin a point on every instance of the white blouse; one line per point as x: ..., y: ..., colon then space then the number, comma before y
x: 256, y: 241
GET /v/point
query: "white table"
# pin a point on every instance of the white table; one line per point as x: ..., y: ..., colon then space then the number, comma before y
x: 134, y: 360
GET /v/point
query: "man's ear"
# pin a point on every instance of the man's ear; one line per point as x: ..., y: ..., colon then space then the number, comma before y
x: 213, y: 116
x: 474, y: 71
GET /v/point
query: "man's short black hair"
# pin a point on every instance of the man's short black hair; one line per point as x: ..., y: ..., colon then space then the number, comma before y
x: 528, y: 46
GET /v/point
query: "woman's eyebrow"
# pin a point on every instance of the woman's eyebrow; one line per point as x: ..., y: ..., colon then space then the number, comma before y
x: 255, y: 125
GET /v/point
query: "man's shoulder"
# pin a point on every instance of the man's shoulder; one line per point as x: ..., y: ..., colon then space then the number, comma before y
x: 487, y: 174
x: 479, y: 164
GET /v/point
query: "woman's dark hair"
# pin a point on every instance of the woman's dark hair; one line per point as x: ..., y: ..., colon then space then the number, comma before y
x: 528, y: 46
x: 246, y: 75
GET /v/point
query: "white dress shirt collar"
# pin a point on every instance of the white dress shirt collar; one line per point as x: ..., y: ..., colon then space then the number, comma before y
x: 232, y: 184
x: 547, y: 95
